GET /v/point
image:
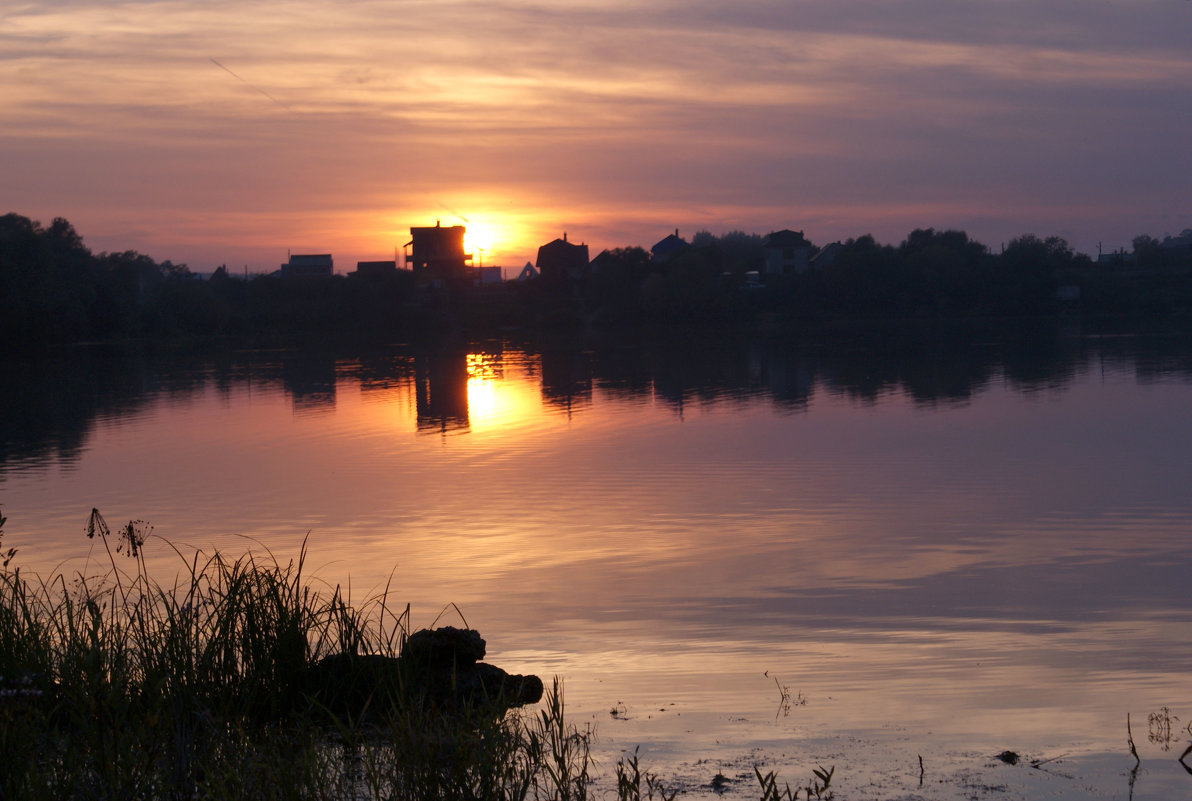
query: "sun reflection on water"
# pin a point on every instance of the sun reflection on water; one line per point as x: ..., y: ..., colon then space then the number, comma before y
x: 495, y: 404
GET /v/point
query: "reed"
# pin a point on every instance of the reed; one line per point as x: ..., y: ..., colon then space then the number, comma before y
x: 817, y: 788
x: 115, y: 686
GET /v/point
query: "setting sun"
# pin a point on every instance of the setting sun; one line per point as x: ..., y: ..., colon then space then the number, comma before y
x: 479, y: 240
x: 498, y: 240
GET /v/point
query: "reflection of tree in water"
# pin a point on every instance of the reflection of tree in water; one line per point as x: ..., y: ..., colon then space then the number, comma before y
x: 309, y: 380
x: 379, y: 372
x: 707, y: 368
x: 621, y: 372
x: 50, y: 404
x: 566, y: 379
x: 49, y: 410
x: 943, y: 363
x: 931, y: 363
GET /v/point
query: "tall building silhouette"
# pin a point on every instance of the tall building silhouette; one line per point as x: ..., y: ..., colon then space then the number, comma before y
x: 437, y: 254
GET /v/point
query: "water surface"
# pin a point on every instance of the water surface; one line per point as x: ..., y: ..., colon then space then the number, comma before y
x: 936, y: 548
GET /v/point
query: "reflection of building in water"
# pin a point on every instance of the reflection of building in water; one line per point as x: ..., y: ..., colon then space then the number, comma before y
x: 566, y: 379
x: 310, y: 381
x: 441, y: 387
x: 437, y: 255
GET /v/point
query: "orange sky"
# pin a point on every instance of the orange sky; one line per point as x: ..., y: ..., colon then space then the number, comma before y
x: 211, y: 133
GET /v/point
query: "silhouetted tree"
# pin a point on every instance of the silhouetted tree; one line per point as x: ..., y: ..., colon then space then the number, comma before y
x: 129, y: 291
x: 1027, y: 273
x: 614, y: 282
x: 735, y: 251
x: 46, y: 285
x: 1148, y: 252
x: 864, y: 279
x: 945, y: 271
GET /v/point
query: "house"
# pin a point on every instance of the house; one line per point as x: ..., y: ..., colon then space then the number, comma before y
x: 603, y: 263
x: 527, y: 273
x: 666, y: 249
x: 375, y: 269
x: 437, y: 254
x: 827, y: 255
x: 308, y: 266
x: 562, y: 261
x: 785, y: 251
x: 486, y: 276
x: 630, y: 261
x: 1119, y: 256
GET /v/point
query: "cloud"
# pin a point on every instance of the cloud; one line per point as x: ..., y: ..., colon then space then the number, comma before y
x: 631, y: 116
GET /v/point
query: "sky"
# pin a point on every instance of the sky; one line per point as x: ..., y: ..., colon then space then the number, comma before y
x: 221, y: 132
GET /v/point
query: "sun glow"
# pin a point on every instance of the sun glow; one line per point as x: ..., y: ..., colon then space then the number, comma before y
x: 479, y: 240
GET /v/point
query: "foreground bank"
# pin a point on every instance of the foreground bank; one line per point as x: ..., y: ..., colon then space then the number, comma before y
x: 241, y: 680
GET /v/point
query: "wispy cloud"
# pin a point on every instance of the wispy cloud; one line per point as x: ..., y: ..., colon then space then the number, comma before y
x: 629, y: 117
x: 249, y: 85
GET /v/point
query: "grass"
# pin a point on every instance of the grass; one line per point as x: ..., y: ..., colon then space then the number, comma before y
x: 117, y: 687
x: 817, y: 788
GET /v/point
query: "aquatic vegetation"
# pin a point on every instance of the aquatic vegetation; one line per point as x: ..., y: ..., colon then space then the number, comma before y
x: 1159, y: 728
x: 117, y: 687
x: 786, y: 701
x: 818, y: 788
x: 630, y: 777
x: 114, y: 686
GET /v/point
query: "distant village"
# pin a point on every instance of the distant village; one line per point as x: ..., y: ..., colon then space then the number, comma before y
x: 54, y: 289
x: 436, y: 255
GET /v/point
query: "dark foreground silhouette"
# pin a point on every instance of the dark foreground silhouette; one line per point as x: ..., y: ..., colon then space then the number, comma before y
x: 439, y: 669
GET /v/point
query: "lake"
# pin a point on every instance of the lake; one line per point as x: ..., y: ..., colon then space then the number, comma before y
x: 852, y: 549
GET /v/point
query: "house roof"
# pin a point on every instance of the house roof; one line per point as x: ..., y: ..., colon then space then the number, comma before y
x: 668, y: 246
x: 560, y: 253
x: 827, y: 254
x: 785, y: 238
x: 311, y: 260
x: 562, y: 246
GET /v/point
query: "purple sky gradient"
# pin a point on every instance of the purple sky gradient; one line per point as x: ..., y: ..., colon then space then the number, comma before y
x: 334, y: 127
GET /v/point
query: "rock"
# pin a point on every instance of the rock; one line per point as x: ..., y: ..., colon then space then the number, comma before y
x: 444, y: 647
x: 438, y: 670
x: 479, y: 684
x: 1009, y: 757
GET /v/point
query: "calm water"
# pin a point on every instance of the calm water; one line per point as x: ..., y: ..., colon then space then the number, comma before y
x: 938, y: 549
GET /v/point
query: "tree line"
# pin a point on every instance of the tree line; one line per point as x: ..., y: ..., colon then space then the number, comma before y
x: 930, y: 274
x: 54, y: 289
